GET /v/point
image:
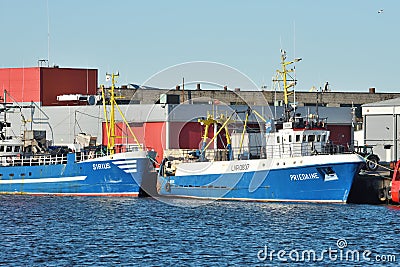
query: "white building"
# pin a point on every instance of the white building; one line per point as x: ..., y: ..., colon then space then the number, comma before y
x: 381, y: 122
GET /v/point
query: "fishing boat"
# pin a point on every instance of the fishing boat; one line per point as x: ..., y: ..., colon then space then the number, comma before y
x: 29, y: 166
x: 296, y: 162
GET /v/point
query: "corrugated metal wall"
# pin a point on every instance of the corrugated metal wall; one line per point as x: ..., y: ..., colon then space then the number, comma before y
x: 340, y: 134
x: 58, y: 81
x: 23, y: 84
x: 45, y: 84
x: 149, y: 134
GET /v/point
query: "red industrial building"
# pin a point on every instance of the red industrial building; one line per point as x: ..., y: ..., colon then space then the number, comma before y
x: 44, y: 84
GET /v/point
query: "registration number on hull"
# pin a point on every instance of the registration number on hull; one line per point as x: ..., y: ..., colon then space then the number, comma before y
x: 240, y: 167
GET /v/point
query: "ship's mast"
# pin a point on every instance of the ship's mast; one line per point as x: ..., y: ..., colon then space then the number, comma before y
x: 111, y: 141
x: 5, y: 114
x: 207, y: 122
x: 110, y: 125
x: 284, y: 76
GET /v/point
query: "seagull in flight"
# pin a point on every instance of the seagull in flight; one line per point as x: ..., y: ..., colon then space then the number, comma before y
x: 380, y: 11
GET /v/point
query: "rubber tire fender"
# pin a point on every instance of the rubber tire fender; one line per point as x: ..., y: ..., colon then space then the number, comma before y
x: 382, y: 194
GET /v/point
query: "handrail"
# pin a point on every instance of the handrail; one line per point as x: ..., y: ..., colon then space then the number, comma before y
x: 33, y: 161
x: 260, y: 152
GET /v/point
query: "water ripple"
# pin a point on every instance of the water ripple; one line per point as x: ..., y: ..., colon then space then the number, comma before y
x: 67, y: 231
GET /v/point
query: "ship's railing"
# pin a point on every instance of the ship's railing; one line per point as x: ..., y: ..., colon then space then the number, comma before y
x: 187, y: 155
x: 133, y: 147
x: 257, y: 152
x: 303, y: 149
x: 48, y: 159
x: 93, y: 154
x: 34, y: 160
x: 86, y: 155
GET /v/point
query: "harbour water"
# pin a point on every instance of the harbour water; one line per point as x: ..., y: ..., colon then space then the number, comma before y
x: 79, y: 231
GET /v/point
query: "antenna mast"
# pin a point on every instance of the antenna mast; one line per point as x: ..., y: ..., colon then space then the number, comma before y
x: 111, y: 142
x: 48, y: 34
x: 284, y: 76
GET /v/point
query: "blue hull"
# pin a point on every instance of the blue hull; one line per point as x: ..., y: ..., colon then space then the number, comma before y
x: 308, y: 184
x: 96, y: 177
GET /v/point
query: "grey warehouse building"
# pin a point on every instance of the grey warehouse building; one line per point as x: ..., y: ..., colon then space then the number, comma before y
x: 381, y: 121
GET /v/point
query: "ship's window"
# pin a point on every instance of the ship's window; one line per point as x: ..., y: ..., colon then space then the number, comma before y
x: 1, y: 148
x: 11, y: 174
x: 323, y: 138
x: 9, y: 149
x: 16, y: 149
x: 30, y: 174
x: 311, y: 138
x: 297, y: 138
x: 319, y: 138
x: 304, y: 138
x: 290, y: 138
x: 278, y: 139
x: 22, y: 174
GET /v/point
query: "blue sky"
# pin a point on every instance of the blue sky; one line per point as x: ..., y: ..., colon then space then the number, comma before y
x: 344, y: 42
